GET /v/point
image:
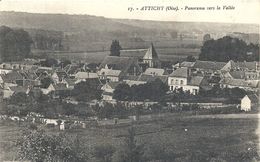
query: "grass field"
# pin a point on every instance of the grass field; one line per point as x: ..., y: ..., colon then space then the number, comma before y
x: 205, y: 139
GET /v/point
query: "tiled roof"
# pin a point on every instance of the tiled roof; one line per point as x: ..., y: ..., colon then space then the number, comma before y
x: 253, y: 97
x: 85, y: 75
x: 187, y: 64
x: 240, y: 83
x: 62, y: 74
x: 210, y: 65
x: 19, y: 89
x: 109, y: 72
x: 237, y: 74
x: 196, y: 80
x: 113, y: 84
x: 11, y: 77
x: 154, y: 71
x: 150, y: 78
x: 180, y: 72
x: 120, y: 63
x: 60, y: 87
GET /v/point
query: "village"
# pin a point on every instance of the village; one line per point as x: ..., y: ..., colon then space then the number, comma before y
x: 191, y: 78
x: 87, y: 87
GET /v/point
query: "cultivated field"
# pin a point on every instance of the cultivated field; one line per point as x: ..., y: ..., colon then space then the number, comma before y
x: 200, y: 139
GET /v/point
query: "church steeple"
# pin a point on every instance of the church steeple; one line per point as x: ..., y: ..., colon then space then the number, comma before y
x: 151, y: 57
x: 151, y: 53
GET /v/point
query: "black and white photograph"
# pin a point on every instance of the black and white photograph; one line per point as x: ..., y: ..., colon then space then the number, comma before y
x: 129, y: 81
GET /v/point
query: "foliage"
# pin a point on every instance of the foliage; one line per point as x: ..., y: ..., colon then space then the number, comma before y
x: 131, y: 152
x: 206, y: 37
x: 115, y: 48
x: 154, y: 91
x: 45, y: 82
x: 15, y: 44
x: 87, y: 90
x: 47, y: 40
x: 227, y: 48
x: 37, y: 146
x: 49, y: 62
x: 123, y: 92
x: 190, y: 58
x: 64, y: 63
x: 104, y: 153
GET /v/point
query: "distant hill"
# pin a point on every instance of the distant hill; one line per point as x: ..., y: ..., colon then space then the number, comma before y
x: 88, y: 33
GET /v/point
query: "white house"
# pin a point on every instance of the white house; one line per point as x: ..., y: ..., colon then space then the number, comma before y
x: 180, y: 78
x: 248, y: 102
x: 110, y: 74
x: 108, y: 89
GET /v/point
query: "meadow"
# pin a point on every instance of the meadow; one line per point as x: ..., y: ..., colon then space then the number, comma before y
x: 178, y: 137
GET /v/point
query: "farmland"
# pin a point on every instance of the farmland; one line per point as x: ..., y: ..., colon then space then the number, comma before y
x: 165, y: 54
x: 186, y: 138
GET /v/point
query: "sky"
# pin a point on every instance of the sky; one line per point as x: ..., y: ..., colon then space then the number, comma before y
x: 246, y: 11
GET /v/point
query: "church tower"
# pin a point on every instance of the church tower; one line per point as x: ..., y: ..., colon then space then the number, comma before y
x: 151, y: 58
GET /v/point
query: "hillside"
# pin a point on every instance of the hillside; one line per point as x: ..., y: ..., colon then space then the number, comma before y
x: 92, y: 33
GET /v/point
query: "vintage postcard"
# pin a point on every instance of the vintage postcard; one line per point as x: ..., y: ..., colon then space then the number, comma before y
x: 129, y: 80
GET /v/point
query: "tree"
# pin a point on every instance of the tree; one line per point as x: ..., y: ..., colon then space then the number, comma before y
x: 37, y: 146
x: 206, y: 37
x: 15, y: 45
x: 64, y: 63
x: 190, y: 58
x: 122, y: 92
x: 154, y: 91
x: 132, y: 152
x: 45, y: 82
x: 87, y: 90
x: 115, y: 48
x: 227, y: 48
x: 49, y: 62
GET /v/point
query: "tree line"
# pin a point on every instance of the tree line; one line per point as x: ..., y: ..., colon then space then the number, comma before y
x: 228, y: 48
x: 153, y: 91
x: 15, y: 44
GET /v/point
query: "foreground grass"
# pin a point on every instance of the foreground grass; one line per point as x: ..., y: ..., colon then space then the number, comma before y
x: 184, y: 139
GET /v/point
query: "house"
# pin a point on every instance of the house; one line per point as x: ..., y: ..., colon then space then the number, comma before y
x: 150, y: 78
x: 151, y: 58
x: 241, y: 66
x: 187, y: 64
x: 70, y: 83
x: 11, y: 78
x: 114, y: 68
x: 208, y: 67
x: 252, y: 85
x: 181, y: 78
x: 59, y: 76
x: 44, y: 71
x: 108, y: 90
x: 110, y: 75
x: 249, y: 102
x: 178, y: 78
x: 72, y: 69
x: 9, y: 91
x: 82, y: 76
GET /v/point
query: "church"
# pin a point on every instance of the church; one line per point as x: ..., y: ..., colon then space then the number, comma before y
x: 151, y: 58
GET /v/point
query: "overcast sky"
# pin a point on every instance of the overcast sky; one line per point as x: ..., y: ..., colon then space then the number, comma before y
x: 246, y: 11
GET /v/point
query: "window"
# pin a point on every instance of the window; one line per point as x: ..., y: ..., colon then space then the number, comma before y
x: 195, y: 91
x: 181, y: 82
x: 176, y: 81
x: 172, y: 81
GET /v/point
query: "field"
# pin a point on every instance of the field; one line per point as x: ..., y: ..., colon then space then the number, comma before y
x: 165, y: 54
x: 182, y: 138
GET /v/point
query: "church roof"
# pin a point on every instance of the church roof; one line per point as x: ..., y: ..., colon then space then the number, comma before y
x: 151, y: 53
